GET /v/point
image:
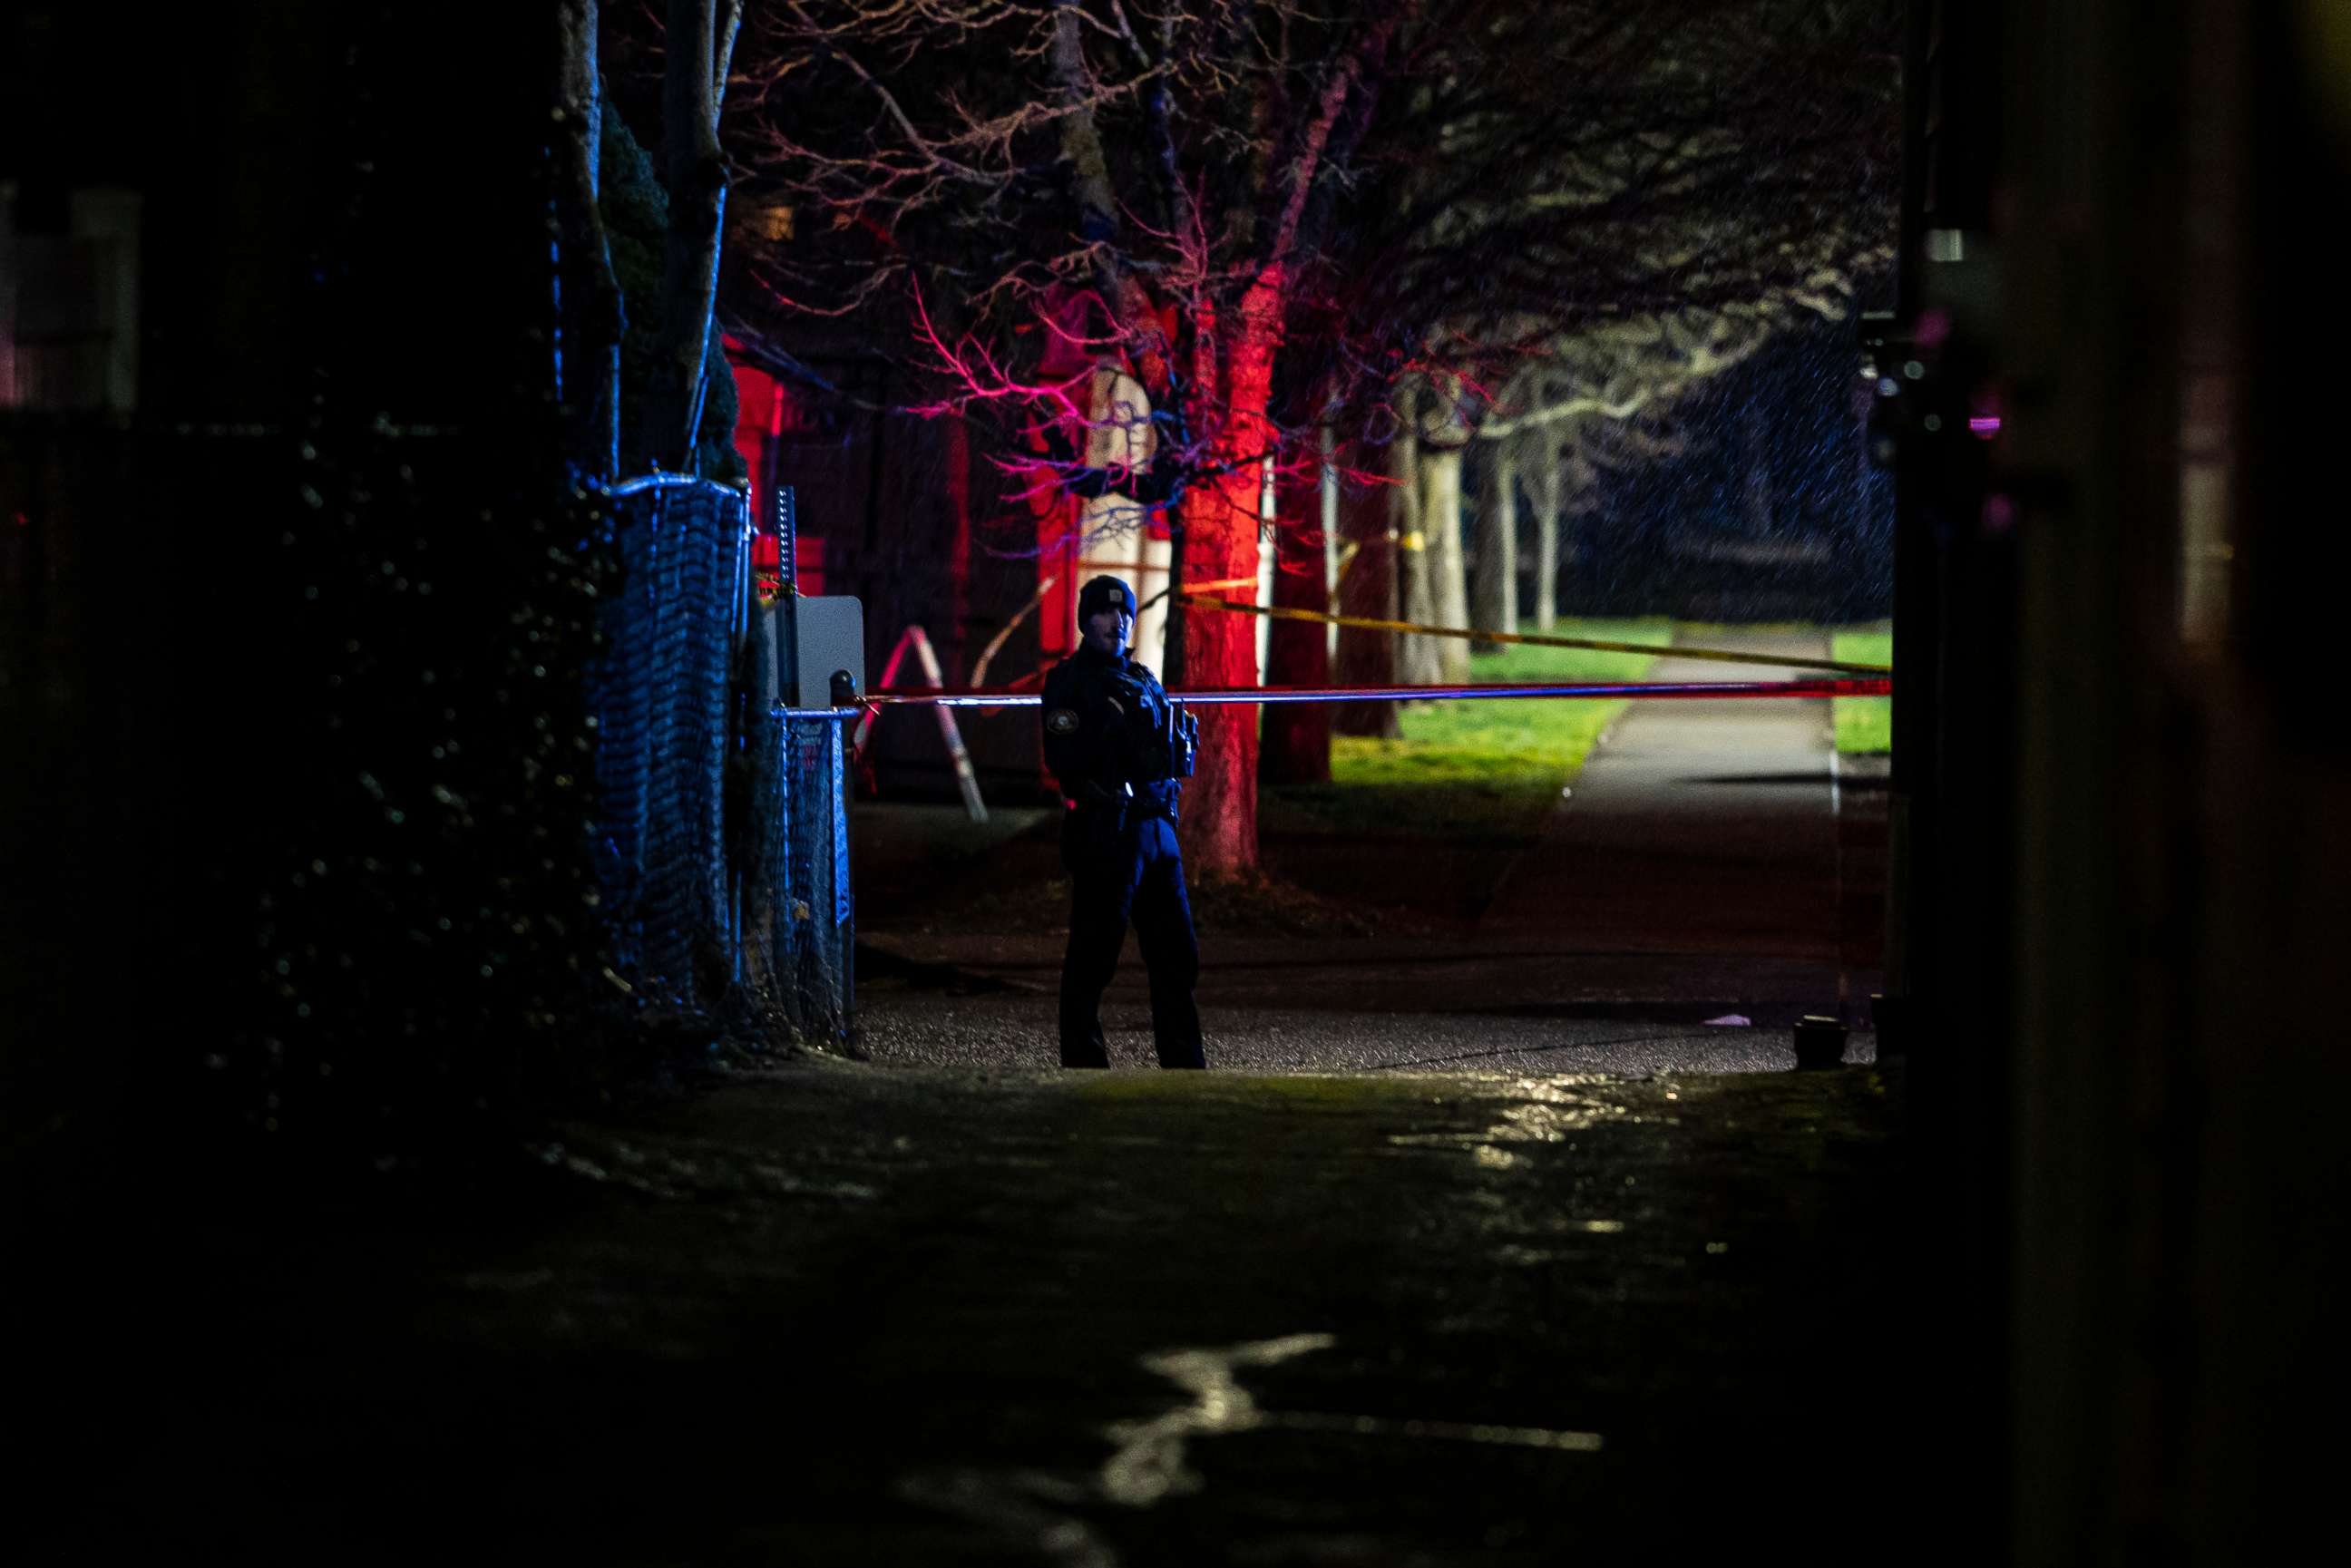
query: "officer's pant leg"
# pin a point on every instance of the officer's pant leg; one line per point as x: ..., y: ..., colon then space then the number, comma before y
x: 1100, y: 897
x: 1171, y: 951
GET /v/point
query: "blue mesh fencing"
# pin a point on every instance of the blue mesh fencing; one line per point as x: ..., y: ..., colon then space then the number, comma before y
x: 722, y: 840
x: 798, y: 944
x: 661, y: 706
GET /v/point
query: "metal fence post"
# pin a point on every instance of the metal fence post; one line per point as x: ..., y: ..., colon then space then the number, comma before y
x: 843, y: 692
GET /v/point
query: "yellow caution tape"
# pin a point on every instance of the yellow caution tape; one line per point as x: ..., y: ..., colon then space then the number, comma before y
x: 1364, y: 624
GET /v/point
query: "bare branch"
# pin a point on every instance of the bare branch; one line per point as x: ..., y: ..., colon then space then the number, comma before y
x: 1082, y: 140
x: 730, y: 24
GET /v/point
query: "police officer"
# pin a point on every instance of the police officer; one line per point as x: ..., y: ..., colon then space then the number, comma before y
x: 1121, y: 751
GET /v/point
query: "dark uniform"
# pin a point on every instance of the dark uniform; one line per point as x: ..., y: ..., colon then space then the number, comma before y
x: 1116, y: 748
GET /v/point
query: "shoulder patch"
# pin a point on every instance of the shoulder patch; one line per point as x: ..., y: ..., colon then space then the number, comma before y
x: 1061, y: 721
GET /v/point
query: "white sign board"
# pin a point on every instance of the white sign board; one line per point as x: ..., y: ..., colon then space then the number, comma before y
x: 829, y: 634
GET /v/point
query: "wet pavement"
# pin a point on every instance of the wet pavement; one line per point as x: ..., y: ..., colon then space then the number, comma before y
x: 1483, y: 1247
x: 838, y: 1313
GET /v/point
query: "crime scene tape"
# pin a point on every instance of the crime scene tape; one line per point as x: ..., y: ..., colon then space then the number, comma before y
x: 1529, y: 639
x: 1687, y: 690
x: 1248, y: 582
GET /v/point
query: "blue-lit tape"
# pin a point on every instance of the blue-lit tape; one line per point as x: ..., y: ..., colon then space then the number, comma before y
x: 1866, y: 686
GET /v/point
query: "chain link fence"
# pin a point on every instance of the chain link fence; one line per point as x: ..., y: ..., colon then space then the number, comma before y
x: 722, y: 846
x: 800, y: 920
x: 661, y: 705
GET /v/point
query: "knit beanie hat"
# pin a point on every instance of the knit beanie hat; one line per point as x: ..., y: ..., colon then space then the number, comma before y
x: 1105, y: 593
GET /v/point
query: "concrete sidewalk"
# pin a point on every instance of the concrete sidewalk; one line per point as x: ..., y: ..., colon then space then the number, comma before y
x: 1705, y: 833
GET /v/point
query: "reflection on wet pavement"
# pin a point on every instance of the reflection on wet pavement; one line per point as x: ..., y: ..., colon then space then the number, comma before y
x: 1149, y: 1464
x: 1547, y: 1112
x: 841, y: 1313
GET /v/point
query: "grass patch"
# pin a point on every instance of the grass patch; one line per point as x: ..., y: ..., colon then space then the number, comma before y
x: 1864, y: 724
x: 1474, y: 770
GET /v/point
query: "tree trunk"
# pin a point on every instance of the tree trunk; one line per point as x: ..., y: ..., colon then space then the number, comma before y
x: 594, y: 319
x: 1221, y: 525
x: 1417, y: 662
x: 1297, y: 736
x: 1497, y: 608
x: 1369, y: 591
x: 1440, y: 519
x: 696, y: 177
x: 1173, y: 657
x: 1546, y: 451
x: 1326, y: 513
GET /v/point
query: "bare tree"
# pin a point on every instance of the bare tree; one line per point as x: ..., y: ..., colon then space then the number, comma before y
x: 1130, y: 187
x: 1265, y: 213
x: 1608, y: 205
x: 1614, y: 394
x: 1581, y: 396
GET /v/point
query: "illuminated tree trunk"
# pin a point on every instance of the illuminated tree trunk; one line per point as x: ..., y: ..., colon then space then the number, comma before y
x: 1417, y: 663
x: 1233, y: 377
x: 1297, y: 736
x: 1497, y: 608
x: 1546, y: 488
x: 1440, y: 519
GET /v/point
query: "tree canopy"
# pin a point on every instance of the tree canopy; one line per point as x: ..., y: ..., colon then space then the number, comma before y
x: 1464, y: 182
x: 1266, y: 218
